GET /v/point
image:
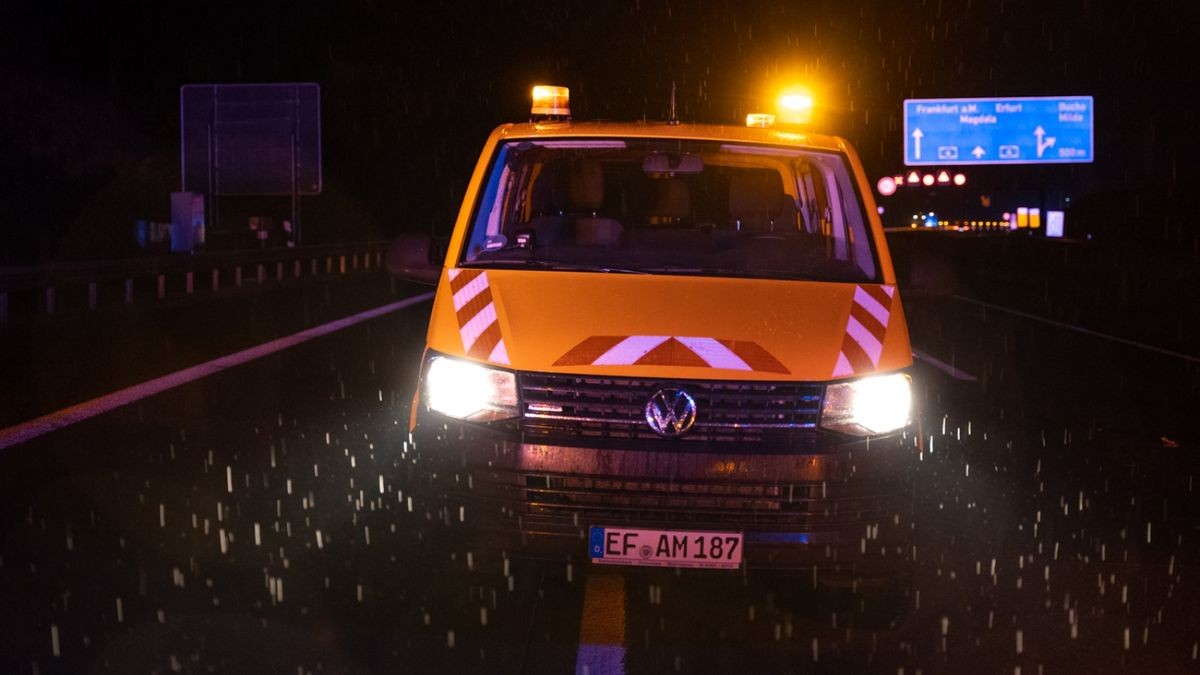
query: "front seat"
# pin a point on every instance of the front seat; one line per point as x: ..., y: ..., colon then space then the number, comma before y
x: 585, y: 196
x: 668, y: 224
x: 549, y: 225
x: 755, y: 202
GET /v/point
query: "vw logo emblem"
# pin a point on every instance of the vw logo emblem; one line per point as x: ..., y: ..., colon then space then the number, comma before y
x: 671, y: 412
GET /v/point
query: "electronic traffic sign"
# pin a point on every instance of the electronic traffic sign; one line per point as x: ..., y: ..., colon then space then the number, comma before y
x: 1023, y: 130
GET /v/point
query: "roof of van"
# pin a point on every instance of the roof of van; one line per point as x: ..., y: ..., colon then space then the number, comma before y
x: 708, y: 132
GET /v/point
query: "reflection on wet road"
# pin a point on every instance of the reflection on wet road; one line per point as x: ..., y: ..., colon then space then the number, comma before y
x: 273, y: 518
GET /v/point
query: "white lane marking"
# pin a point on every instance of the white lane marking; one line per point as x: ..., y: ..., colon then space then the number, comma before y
x: 864, y: 300
x: 77, y: 413
x: 714, y: 353
x: 600, y: 660
x: 628, y: 351
x: 944, y: 367
x: 1085, y: 331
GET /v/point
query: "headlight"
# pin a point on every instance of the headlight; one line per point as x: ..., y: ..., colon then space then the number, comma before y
x: 872, y: 405
x: 469, y: 391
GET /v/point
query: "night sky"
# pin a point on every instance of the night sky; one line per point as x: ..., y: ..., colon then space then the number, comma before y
x: 89, y: 95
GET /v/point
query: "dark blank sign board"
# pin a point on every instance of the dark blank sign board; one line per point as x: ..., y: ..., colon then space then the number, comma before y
x: 251, y: 139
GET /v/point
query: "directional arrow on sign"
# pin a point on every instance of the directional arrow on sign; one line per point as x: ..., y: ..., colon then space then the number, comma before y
x: 917, y: 136
x: 1042, y: 144
x: 978, y: 152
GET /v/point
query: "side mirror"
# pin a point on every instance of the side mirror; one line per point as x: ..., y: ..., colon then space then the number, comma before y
x: 410, y: 257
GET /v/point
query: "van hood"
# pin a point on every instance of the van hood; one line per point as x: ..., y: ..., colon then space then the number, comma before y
x: 676, y: 327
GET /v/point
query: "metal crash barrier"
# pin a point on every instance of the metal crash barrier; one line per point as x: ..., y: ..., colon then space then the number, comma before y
x: 74, y: 288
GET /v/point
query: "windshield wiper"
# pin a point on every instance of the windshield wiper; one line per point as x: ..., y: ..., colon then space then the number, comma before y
x: 732, y: 272
x: 560, y: 265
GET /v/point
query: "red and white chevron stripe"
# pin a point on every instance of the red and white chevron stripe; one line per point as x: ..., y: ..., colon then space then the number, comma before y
x: 865, y: 330
x: 665, y: 350
x: 477, y: 321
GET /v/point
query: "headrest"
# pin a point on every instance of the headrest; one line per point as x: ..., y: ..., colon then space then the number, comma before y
x: 586, y: 192
x: 672, y: 200
x: 755, y: 196
x: 550, y: 191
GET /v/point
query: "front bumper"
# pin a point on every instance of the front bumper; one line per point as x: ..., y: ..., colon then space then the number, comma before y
x: 828, y: 501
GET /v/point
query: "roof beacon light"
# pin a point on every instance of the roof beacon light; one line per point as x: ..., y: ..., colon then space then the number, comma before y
x: 796, y: 107
x: 763, y: 120
x: 551, y: 101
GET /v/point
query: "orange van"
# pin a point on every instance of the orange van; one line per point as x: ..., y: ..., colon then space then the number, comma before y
x: 667, y: 344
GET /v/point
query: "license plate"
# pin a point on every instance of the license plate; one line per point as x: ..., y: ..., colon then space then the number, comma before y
x: 665, y: 548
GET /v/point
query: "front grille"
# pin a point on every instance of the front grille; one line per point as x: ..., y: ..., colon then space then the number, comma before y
x: 699, y: 499
x: 558, y: 500
x: 599, y: 408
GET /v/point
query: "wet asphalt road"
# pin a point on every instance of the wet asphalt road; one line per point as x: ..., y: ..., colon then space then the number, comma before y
x: 271, y: 519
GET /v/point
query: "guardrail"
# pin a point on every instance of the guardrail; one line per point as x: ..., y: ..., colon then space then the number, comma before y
x: 67, y: 288
x: 1138, y: 291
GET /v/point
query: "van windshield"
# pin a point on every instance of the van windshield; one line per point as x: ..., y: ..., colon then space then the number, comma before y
x: 672, y: 207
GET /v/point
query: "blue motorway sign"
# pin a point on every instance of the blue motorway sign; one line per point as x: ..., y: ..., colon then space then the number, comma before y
x: 1023, y: 130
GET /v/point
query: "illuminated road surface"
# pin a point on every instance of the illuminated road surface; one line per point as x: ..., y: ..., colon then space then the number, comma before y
x: 270, y: 518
